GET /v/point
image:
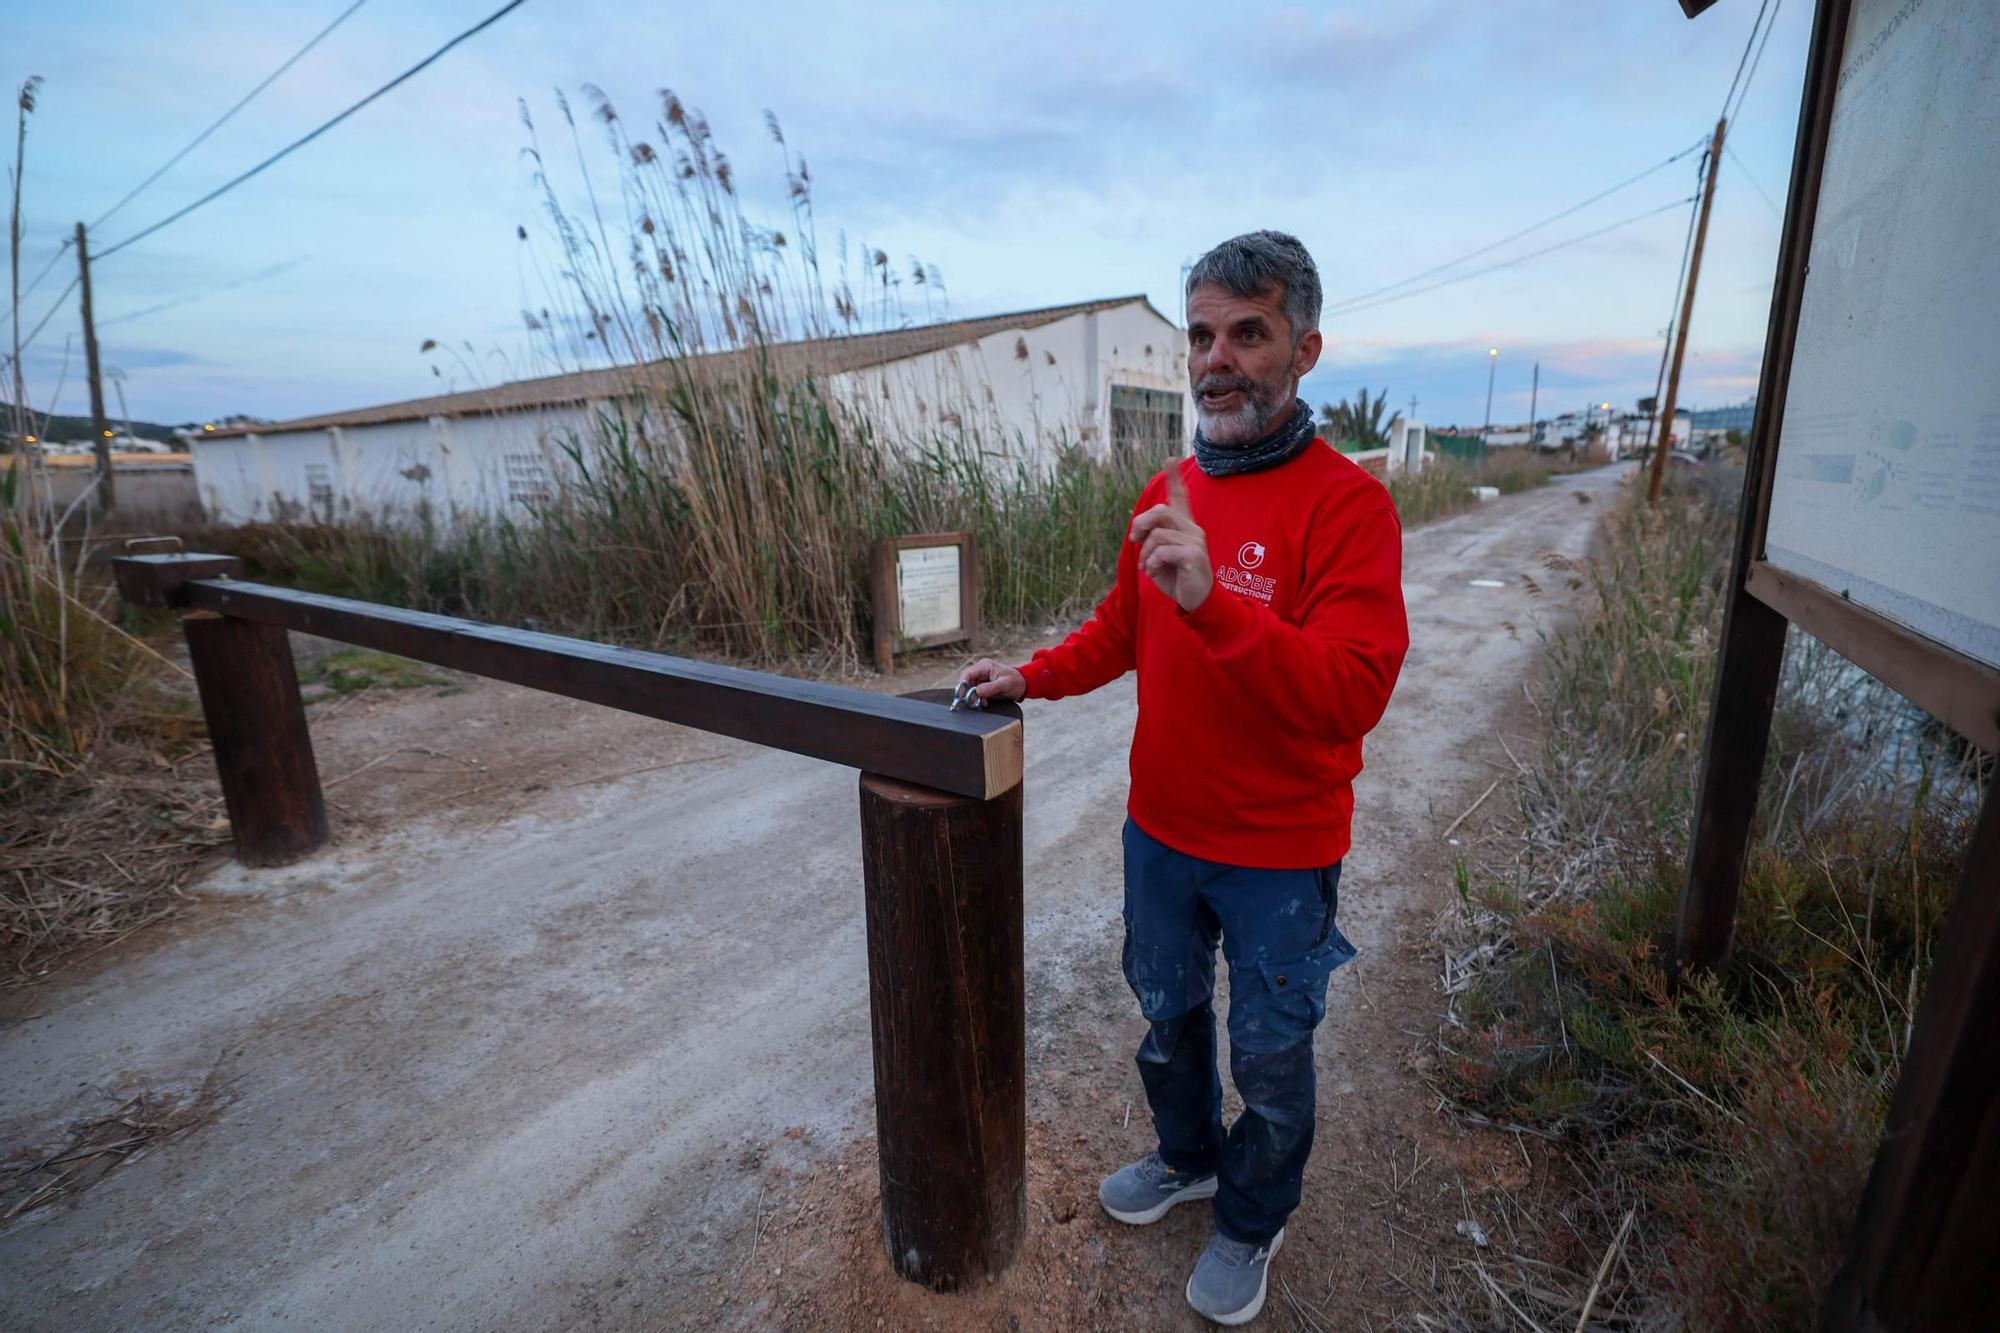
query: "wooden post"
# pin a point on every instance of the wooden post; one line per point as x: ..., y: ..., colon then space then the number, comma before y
x: 100, y: 430
x: 1925, y: 1252
x: 882, y: 597
x: 1687, y: 312
x: 263, y: 752
x: 1753, y: 635
x: 1732, y: 771
x: 948, y: 1010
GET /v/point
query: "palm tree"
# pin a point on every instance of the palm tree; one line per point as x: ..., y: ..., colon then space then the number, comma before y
x: 1358, y: 423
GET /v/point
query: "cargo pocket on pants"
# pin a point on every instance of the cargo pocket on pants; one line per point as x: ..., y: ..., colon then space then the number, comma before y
x: 1294, y: 999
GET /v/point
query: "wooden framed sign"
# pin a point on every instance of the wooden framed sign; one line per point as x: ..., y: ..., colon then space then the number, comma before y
x: 925, y: 592
x: 1871, y: 520
x: 1879, y: 527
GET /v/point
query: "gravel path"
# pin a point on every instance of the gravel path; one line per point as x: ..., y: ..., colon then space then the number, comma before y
x: 537, y: 1059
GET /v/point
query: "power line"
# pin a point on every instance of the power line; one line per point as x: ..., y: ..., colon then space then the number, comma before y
x: 1744, y: 59
x: 296, y: 144
x: 188, y: 298
x: 1520, y: 259
x: 1743, y: 167
x: 1341, y: 305
x: 1759, y: 58
x: 223, y: 119
x: 42, y: 323
x: 36, y: 281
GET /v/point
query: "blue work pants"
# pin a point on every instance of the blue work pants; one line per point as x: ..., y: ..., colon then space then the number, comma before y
x: 1277, y: 932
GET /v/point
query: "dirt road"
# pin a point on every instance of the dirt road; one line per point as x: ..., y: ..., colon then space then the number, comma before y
x: 583, y: 1051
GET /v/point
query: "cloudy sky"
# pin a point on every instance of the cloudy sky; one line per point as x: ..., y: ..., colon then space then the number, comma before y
x: 1032, y: 153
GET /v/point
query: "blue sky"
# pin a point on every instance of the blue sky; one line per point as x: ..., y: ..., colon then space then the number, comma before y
x: 1033, y: 153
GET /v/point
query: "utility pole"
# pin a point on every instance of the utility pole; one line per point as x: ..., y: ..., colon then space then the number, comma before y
x: 1492, y: 364
x: 1534, y: 391
x: 100, y: 443
x: 1687, y: 309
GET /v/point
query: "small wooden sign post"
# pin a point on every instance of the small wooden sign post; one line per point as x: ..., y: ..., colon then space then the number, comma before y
x: 925, y: 592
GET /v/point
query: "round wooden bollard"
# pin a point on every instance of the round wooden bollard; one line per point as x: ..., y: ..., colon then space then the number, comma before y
x: 948, y: 1009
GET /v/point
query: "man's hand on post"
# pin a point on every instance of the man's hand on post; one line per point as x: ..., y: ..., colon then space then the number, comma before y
x: 995, y: 680
x: 1173, y: 550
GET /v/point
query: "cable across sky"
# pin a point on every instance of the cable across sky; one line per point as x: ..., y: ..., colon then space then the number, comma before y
x: 1518, y: 259
x: 1340, y: 306
x: 303, y: 140
x: 224, y: 118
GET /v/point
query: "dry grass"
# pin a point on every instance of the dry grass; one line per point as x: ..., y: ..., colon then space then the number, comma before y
x: 98, y: 1146
x: 106, y: 848
x: 99, y: 828
x: 1736, y: 1117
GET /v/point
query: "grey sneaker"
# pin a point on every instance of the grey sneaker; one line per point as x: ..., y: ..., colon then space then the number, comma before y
x: 1142, y: 1192
x: 1228, y: 1282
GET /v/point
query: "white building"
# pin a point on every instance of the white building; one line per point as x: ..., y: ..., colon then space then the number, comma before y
x: 1101, y: 375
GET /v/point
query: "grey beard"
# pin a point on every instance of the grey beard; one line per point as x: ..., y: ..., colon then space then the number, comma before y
x: 1262, y: 406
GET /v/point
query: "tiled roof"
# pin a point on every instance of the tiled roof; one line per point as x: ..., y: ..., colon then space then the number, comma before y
x: 825, y: 356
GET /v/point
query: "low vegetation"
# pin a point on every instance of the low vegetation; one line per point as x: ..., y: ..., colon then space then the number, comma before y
x: 1736, y: 1117
x: 1445, y: 485
x: 350, y: 670
x: 98, y: 830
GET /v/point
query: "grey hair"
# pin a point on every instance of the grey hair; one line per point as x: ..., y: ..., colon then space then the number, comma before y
x: 1245, y: 265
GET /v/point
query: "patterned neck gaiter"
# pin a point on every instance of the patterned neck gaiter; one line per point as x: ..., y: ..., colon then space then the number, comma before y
x: 1282, y: 445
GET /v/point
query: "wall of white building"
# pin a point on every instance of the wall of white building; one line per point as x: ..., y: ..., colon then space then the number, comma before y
x: 1026, y: 393
x: 1020, y: 394
x: 487, y: 464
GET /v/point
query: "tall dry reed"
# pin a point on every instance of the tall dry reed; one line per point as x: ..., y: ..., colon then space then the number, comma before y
x: 727, y: 500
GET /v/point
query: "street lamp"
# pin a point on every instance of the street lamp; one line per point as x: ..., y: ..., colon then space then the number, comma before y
x: 1492, y: 364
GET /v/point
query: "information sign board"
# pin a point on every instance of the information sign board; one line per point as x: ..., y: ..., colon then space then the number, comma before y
x: 925, y: 592
x: 1886, y: 491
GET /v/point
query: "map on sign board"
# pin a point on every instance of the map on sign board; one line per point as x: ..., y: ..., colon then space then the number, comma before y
x: 927, y: 599
x: 1887, y: 489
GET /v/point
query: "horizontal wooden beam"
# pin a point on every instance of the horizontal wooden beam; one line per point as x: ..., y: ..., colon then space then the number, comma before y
x: 966, y: 753
x: 1953, y: 688
x: 160, y: 580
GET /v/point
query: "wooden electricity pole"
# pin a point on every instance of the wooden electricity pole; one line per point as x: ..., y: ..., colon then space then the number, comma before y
x: 1534, y: 393
x: 100, y: 432
x: 1687, y: 309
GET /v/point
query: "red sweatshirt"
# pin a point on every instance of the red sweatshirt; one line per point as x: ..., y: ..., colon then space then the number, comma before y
x: 1252, y: 708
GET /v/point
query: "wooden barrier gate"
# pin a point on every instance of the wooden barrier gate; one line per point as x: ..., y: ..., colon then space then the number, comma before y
x: 940, y: 847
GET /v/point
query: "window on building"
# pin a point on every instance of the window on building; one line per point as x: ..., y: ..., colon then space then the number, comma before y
x: 1146, y: 421
x: 319, y: 490
x: 528, y: 479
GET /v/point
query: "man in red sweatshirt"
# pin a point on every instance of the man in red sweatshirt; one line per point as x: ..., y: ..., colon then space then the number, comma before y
x: 1259, y: 597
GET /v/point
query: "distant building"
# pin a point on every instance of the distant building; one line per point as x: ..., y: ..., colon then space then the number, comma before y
x: 1738, y: 417
x: 1101, y: 375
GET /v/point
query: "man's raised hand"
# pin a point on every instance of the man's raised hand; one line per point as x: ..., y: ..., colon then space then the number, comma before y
x: 995, y: 680
x: 1173, y: 550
